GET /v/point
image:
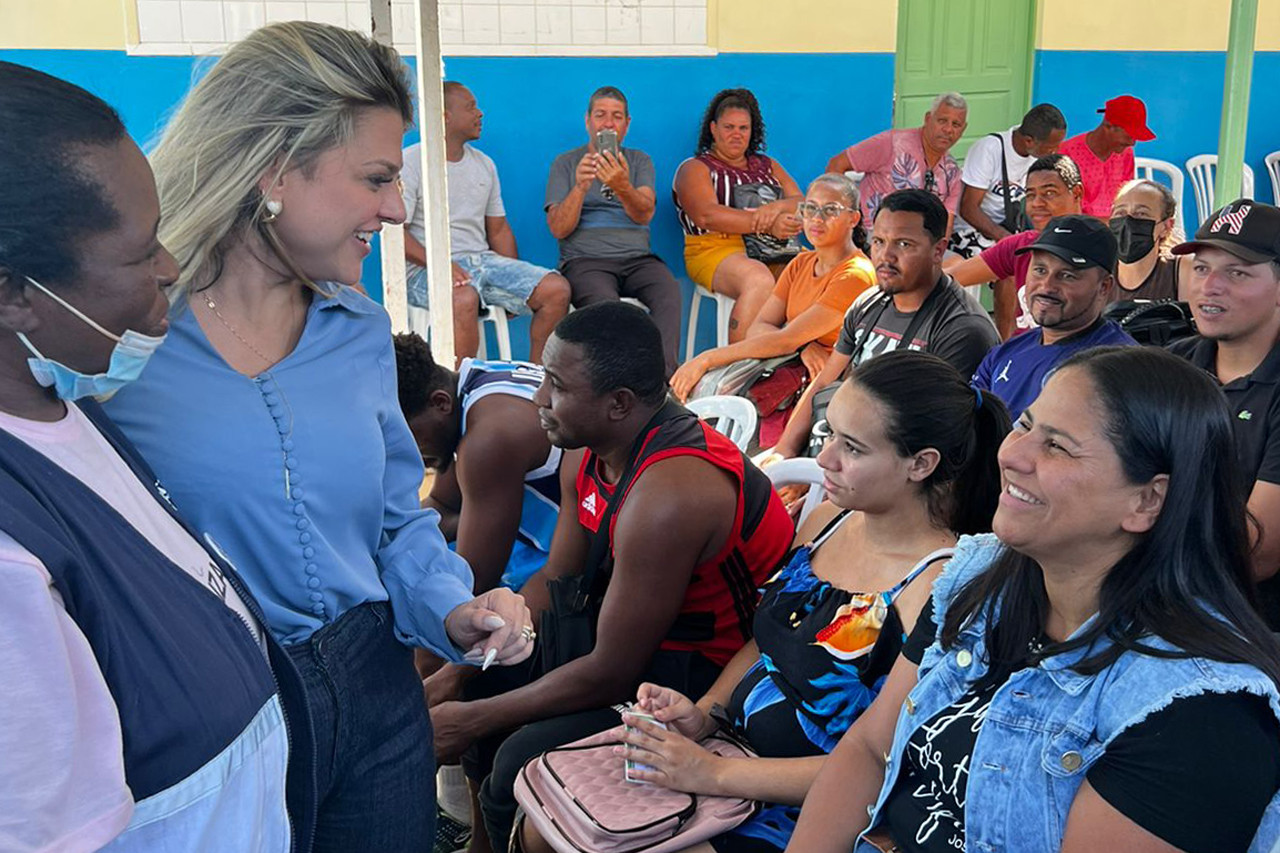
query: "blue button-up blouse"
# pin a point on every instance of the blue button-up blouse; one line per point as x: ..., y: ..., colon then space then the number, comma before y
x: 306, y: 476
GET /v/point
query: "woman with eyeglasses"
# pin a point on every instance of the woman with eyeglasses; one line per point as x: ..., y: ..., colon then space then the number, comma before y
x: 804, y: 311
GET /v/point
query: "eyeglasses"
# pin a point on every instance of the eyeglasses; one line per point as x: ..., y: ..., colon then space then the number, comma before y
x: 812, y: 210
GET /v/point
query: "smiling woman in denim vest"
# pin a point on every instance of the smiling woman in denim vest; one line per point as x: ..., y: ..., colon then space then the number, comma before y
x: 1094, y: 677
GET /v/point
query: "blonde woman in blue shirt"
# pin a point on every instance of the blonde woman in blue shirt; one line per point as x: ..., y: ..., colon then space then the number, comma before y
x: 271, y: 412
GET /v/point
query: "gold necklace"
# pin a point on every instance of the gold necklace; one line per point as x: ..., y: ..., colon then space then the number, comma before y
x: 208, y: 300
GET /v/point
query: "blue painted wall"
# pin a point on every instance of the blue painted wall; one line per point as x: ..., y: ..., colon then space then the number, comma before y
x: 814, y: 104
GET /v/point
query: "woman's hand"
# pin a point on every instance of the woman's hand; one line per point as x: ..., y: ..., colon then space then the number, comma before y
x: 494, y: 621
x: 687, y: 376
x: 673, y: 709
x: 786, y: 226
x: 675, y: 761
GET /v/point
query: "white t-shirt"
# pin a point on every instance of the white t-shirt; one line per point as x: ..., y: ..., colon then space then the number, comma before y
x: 474, y: 193
x: 62, y: 783
x: 982, y: 170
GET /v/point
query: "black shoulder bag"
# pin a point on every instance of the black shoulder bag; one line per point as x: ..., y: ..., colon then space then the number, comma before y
x: 1015, y: 218
x: 567, y: 628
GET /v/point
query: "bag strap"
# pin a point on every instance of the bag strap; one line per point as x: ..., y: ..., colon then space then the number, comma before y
x: 1004, y: 180
x: 599, y: 548
x: 917, y: 319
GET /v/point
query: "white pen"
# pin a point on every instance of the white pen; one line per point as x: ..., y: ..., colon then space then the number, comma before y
x: 488, y: 659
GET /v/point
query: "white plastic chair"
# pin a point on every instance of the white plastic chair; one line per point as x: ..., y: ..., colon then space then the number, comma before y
x: 1273, y: 168
x: 420, y: 322
x: 1201, y: 169
x: 791, y: 472
x: 735, y: 417
x: 724, y: 305
x: 1154, y: 170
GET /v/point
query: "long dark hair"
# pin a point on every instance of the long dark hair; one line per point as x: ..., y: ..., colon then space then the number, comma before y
x: 929, y: 404
x: 1187, y: 580
x: 48, y: 203
x: 732, y: 99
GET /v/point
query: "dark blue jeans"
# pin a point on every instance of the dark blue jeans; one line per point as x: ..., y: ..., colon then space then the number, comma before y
x: 375, y: 764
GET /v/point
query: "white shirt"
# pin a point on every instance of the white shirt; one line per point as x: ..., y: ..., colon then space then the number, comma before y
x: 982, y: 170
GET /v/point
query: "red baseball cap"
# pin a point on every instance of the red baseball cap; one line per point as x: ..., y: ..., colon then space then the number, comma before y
x: 1130, y: 113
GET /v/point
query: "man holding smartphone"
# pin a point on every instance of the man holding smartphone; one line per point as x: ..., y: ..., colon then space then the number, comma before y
x: 600, y: 198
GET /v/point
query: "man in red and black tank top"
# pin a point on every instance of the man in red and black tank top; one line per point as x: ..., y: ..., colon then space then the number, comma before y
x: 693, y: 532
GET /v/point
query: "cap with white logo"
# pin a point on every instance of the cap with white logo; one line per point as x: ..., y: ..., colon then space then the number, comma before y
x: 1248, y: 229
x: 1082, y: 241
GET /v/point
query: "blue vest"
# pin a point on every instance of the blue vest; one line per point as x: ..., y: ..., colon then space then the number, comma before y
x: 1047, y: 725
x: 183, y: 670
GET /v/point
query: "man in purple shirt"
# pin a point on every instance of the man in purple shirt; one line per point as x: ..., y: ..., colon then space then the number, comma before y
x: 911, y: 158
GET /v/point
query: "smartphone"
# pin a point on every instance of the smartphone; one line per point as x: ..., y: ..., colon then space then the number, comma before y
x: 628, y: 764
x: 607, y: 140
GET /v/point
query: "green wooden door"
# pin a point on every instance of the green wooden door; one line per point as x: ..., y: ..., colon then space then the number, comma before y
x: 979, y: 48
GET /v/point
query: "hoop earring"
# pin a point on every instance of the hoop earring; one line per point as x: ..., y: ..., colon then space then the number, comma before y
x: 274, y: 208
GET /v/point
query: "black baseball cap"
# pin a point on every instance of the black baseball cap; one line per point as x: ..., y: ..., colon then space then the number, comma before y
x: 1248, y: 229
x: 1082, y: 241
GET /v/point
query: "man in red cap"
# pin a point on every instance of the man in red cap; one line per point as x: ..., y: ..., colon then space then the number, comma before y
x: 1105, y: 154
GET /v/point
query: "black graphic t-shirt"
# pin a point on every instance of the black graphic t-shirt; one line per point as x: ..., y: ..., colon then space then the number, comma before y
x: 1216, y: 754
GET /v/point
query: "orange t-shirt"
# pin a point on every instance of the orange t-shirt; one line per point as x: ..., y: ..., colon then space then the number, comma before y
x: 800, y: 289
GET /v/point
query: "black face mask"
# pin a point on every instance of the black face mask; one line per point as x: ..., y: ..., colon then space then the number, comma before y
x: 1135, y: 237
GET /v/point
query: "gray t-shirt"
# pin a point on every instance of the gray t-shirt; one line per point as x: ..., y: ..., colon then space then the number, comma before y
x: 604, y: 229
x: 474, y: 193
x: 955, y: 328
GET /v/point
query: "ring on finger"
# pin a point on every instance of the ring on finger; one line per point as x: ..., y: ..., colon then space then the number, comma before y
x: 528, y: 634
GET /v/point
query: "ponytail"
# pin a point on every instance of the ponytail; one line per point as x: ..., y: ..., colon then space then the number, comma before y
x: 977, y: 486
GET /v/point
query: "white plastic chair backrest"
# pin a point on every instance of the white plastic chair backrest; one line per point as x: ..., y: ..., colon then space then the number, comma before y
x: 1201, y: 170
x: 1273, y: 168
x: 735, y: 417
x: 1163, y: 172
x: 788, y: 472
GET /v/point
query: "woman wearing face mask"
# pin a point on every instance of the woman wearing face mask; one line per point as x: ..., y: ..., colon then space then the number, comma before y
x: 140, y: 711
x: 905, y: 473
x: 271, y: 411
x: 1144, y: 218
x: 1095, y: 677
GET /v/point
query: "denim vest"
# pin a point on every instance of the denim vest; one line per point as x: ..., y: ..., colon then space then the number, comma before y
x: 1047, y: 725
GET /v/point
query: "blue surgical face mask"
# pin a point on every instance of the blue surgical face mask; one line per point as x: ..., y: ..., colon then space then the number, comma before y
x: 128, y: 357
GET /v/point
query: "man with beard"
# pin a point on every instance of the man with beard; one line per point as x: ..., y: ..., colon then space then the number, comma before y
x: 1069, y: 281
x: 917, y: 305
x: 676, y: 528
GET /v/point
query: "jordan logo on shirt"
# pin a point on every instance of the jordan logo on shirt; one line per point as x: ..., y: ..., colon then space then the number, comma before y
x: 1004, y: 374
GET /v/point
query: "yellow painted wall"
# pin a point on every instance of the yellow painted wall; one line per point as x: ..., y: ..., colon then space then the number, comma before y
x: 1148, y: 25
x: 73, y: 24
x: 751, y: 26
x: 804, y: 26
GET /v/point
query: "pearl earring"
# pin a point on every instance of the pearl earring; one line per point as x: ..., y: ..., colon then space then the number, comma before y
x: 274, y: 207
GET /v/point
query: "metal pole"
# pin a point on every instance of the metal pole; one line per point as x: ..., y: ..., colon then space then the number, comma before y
x: 1235, y: 101
x: 435, y: 189
x: 391, y: 239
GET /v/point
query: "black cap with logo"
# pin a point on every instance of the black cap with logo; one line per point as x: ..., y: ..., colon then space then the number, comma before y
x: 1082, y: 241
x: 1248, y: 229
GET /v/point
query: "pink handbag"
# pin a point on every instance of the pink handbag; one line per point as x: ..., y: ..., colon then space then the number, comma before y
x: 579, y: 801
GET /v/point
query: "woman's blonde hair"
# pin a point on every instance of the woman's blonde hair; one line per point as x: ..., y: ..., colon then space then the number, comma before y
x: 278, y: 99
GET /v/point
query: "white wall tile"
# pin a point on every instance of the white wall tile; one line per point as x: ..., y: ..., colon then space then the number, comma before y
x: 623, y: 24
x: 701, y: 4
x: 241, y: 18
x: 588, y: 2
x: 517, y: 24
x: 480, y: 24
x: 159, y: 21
x: 359, y: 17
x: 403, y: 23
x: 286, y: 10
x: 657, y: 25
x: 202, y: 21
x: 324, y: 12
x: 691, y: 26
x: 451, y: 23
x: 663, y: 4
x: 588, y: 25
x: 555, y: 25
